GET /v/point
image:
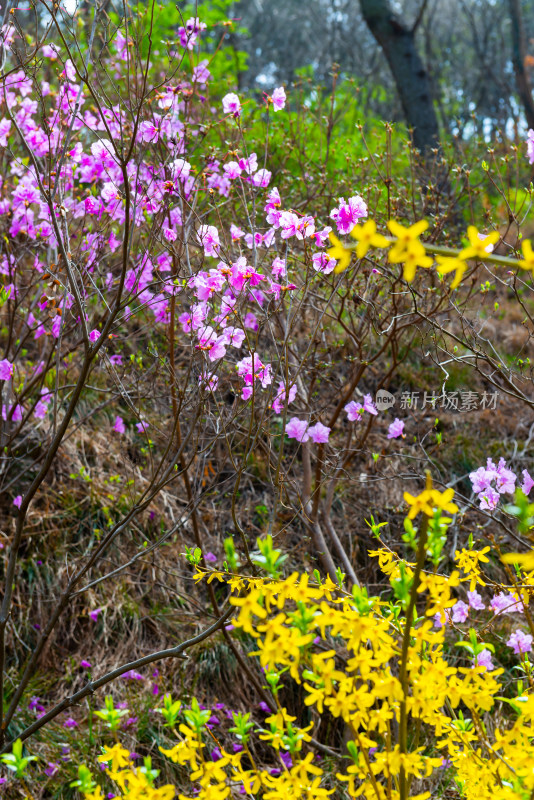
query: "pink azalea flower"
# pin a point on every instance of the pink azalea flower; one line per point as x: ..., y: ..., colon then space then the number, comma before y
x: 233, y: 336
x: 5, y: 127
x: 94, y: 614
x: 305, y: 227
x: 484, y: 660
x: 236, y: 233
x: 274, y: 216
x: 250, y: 164
x: 521, y: 642
x: 279, y: 98
x: 103, y: 153
x: 475, y: 601
x: 94, y: 335
x: 148, y: 132
x: 231, y: 104
x: 169, y: 234
x: 181, y: 168
x: 17, y: 502
x: 188, y: 34
x: 273, y: 199
x: 354, y: 411
x: 201, y: 73
x: 50, y: 51
x: 208, y: 236
x: 460, y: 611
x: 319, y: 433
x: 278, y: 267
x: 505, y: 603
x: 119, y: 425
x: 85, y: 664
x: 213, y: 344
x: 251, y: 321
x: 15, y: 411
x: 321, y: 237
x: 505, y: 478
x: 232, y: 170
x: 527, y: 484
x: 208, y: 382
x: 92, y: 205
x: 347, y: 214
x: 322, y: 263
x: 396, y: 429
x: 296, y: 429
x: 238, y: 272
x: 368, y: 404
x: 261, y: 178
x: 6, y: 370
x: 489, y: 499
x: 259, y: 239
x: 192, y: 320
x: 289, y: 224
x: 530, y: 146
x: 282, y: 396
x: 481, y: 479
x: 251, y: 369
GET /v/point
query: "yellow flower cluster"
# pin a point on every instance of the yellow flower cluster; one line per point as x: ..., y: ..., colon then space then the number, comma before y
x: 406, y: 248
x: 384, y: 670
x: 131, y: 782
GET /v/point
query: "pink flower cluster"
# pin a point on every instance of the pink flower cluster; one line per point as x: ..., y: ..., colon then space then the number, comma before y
x: 235, y: 276
x: 355, y: 411
x: 520, y: 642
x: 530, y: 146
x: 302, y: 431
x: 189, y: 33
x: 502, y: 603
x: 347, y: 214
x: 491, y: 481
x: 6, y: 370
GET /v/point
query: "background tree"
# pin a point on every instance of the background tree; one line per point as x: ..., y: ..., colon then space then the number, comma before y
x: 469, y: 63
x: 397, y: 40
x: 519, y: 58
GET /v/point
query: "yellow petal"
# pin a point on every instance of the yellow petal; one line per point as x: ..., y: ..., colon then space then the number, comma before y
x: 419, y: 227
x: 525, y: 560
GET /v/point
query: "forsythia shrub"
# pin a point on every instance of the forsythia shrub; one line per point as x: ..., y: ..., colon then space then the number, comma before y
x: 381, y: 665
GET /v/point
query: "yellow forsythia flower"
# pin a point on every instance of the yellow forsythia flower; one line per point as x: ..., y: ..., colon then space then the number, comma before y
x: 117, y: 755
x: 367, y: 237
x: 479, y: 245
x: 405, y: 237
x: 452, y: 264
x: 527, y: 262
x: 339, y: 252
x: 407, y: 249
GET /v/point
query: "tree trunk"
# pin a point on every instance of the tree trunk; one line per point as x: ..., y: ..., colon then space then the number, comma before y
x: 397, y: 41
x: 519, y: 52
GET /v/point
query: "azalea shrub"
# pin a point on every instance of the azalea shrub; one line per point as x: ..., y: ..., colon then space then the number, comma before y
x: 223, y: 355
